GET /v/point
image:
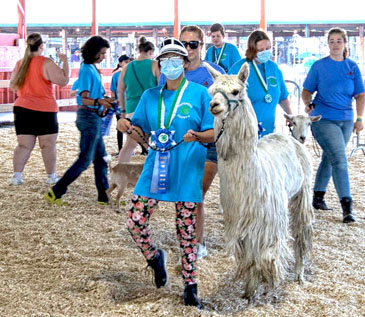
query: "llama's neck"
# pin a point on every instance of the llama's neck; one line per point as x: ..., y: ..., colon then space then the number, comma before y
x: 239, y: 137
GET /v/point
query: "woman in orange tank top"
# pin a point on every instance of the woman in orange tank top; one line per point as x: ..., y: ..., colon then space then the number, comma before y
x: 35, y: 109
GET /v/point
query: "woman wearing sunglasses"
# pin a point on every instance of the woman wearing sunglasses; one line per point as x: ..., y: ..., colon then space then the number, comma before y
x: 176, y: 115
x: 192, y: 37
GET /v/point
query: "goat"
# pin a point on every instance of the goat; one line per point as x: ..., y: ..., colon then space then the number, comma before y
x: 122, y: 175
x: 300, y: 125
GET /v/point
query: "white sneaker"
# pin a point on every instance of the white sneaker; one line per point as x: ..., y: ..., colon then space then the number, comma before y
x: 107, y: 158
x: 202, y: 251
x: 16, y: 181
x: 52, y: 179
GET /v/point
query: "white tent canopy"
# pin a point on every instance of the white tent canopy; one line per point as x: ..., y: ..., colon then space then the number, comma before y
x: 144, y: 11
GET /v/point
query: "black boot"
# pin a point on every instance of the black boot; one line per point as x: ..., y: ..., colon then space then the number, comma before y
x: 158, y: 264
x: 191, y: 296
x: 318, y: 201
x: 346, y: 204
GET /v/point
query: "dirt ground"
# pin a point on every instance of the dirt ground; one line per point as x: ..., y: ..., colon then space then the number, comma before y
x: 79, y: 260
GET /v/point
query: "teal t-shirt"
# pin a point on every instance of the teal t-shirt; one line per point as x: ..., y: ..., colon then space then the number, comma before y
x: 229, y: 56
x: 265, y: 112
x: 114, y: 84
x: 137, y: 78
x: 186, y: 168
x: 89, y: 80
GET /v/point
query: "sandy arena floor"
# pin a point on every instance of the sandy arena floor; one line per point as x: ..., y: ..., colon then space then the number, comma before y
x: 80, y: 260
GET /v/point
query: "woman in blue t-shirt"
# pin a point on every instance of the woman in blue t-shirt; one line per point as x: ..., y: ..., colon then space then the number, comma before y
x: 122, y: 61
x: 91, y: 104
x: 195, y: 71
x: 265, y: 85
x: 176, y: 112
x: 337, y: 80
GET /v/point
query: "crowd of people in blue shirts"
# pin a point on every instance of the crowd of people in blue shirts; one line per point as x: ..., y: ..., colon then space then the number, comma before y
x: 165, y: 98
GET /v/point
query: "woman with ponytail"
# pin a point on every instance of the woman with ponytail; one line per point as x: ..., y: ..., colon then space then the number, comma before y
x: 35, y: 109
x: 136, y: 77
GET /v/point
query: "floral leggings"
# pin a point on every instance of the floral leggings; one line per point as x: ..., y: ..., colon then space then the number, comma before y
x: 140, y: 211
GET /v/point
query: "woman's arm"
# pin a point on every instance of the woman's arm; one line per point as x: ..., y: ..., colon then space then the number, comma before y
x: 121, y: 91
x: 55, y: 74
x: 87, y: 101
x: 156, y: 70
x: 125, y: 126
x: 360, y: 104
x: 307, y: 99
x: 285, y: 105
x: 15, y: 71
x: 206, y: 136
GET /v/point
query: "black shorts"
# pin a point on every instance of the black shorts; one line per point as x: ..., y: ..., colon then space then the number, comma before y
x: 34, y: 122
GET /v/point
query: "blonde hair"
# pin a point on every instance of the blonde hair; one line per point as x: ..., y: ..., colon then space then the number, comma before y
x: 34, y: 40
x: 195, y: 29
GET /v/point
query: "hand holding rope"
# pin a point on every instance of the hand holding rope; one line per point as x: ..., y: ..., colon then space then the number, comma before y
x: 128, y: 128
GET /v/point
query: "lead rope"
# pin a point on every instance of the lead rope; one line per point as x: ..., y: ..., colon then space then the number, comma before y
x: 153, y: 147
x: 317, y: 150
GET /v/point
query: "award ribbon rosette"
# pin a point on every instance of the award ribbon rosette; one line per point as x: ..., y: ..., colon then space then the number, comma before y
x: 268, y: 97
x: 163, y: 140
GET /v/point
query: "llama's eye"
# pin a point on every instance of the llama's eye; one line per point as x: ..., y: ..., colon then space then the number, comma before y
x: 235, y: 92
x: 294, y: 123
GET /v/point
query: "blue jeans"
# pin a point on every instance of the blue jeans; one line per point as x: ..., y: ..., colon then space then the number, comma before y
x: 333, y: 137
x: 92, y: 149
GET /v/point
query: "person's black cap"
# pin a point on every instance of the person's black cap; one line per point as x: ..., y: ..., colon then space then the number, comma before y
x: 123, y: 58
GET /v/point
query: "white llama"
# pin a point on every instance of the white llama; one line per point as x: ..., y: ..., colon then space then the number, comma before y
x: 265, y: 185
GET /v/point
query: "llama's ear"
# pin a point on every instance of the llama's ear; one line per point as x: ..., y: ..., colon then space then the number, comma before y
x: 288, y: 116
x: 315, y: 118
x: 211, y: 70
x: 244, y: 72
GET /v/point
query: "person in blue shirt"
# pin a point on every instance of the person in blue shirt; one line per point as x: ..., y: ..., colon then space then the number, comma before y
x: 221, y: 53
x: 177, y: 117
x: 192, y: 38
x: 91, y: 104
x: 337, y: 80
x: 266, y: 87
x: 122, y: 61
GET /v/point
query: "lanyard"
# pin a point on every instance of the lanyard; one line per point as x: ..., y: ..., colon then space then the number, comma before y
x: 258, y: 73
x: 175, y: 105
x: 218, y: 60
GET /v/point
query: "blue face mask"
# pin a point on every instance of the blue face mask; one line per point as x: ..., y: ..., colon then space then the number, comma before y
x: 264, y: 56
x: 171, y: 67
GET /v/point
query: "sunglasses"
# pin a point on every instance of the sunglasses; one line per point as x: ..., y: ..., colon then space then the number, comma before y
x: 193, y: 44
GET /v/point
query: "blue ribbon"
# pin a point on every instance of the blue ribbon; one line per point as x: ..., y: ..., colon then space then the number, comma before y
x: 159, y: 182
x: 261, y: 129
x: 163, y: 139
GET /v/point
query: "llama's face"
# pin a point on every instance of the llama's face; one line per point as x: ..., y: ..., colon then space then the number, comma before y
x: 301, y: 125
x: 227, y: 92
